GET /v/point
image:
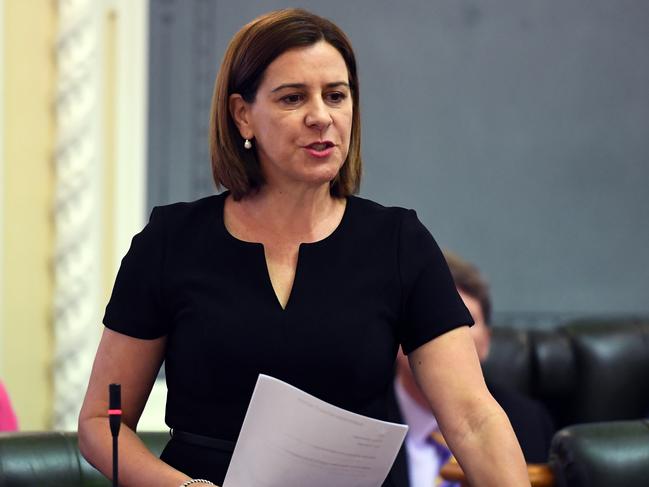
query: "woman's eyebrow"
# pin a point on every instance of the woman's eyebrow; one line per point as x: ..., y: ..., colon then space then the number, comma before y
x: 302, y: 86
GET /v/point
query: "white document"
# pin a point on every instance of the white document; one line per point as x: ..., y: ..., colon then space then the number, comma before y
x: 292, y: 439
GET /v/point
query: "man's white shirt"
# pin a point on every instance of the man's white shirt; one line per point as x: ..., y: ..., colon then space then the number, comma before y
x: 423, y: 459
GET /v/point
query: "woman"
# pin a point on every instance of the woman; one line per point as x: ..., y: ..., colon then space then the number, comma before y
x: 285, y: 274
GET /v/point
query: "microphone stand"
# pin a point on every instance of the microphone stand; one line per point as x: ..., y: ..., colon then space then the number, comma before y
x: 115, y: 420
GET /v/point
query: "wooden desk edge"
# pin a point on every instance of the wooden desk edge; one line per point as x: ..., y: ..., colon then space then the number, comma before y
x: 540, y: 474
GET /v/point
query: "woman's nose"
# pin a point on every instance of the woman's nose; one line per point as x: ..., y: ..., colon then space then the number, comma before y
x: 318, y: 116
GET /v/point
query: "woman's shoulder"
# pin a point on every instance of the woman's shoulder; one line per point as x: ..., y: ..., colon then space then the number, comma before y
x: 376, y: 213
x: 188, y: 211
x: 371, y: 208
x: 380, y: 221
x: 395, y: 220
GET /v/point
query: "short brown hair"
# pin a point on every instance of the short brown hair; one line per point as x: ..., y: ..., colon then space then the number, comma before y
x: 250, y: 52
x: 468, y: 279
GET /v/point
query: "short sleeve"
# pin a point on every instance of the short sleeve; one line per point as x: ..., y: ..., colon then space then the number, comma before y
x: 136, y: 307
x: 431, y: 304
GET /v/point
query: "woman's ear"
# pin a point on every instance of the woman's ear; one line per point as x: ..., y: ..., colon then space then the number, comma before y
x: 240, y: 113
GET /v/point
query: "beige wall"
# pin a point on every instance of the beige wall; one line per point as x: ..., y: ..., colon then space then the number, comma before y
x: 28, y: 180
x: 28, y: 30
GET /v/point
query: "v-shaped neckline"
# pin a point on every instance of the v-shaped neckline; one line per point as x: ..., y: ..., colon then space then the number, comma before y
x: 329, y: 239
x: 269, y: 280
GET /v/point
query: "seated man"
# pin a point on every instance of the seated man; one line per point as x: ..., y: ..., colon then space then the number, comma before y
x: 425, y: 451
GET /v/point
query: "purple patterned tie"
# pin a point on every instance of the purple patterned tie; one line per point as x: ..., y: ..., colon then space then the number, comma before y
x: 444, y: 454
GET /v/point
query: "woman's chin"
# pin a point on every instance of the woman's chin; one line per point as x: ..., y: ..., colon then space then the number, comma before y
x: 321, y: 176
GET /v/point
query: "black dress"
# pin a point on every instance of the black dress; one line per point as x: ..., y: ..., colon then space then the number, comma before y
x: 379, y: 280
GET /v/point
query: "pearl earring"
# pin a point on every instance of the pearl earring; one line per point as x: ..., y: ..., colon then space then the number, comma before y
x: 247, y: 144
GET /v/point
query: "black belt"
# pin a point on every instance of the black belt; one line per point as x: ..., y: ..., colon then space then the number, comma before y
x: 204, y: 441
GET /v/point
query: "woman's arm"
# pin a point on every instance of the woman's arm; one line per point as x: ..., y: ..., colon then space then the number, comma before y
x: 134, y: 364
x: 475, y: 427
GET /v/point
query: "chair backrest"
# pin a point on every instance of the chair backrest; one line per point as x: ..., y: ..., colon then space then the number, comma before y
x: 612, y: 361
x: 584, y: 371
x: 52, y: 459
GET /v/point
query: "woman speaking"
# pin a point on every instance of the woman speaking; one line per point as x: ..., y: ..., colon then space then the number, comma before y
x: 287, y: 274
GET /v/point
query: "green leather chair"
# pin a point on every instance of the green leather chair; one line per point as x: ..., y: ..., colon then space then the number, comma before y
x: 52, y: 459
x: 584, y: 372
x: 608, y: 454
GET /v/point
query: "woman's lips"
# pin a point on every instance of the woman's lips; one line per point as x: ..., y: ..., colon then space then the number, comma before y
x: 320, y: 149
x: 320, y: 153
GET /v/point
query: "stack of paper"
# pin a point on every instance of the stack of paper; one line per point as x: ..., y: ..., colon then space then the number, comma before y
x: 292, y: 439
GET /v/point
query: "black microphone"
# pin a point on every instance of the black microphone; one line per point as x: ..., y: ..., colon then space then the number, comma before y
x: 115, y: 420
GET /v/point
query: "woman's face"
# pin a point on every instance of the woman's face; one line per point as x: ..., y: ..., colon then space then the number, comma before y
x: 301, y: 118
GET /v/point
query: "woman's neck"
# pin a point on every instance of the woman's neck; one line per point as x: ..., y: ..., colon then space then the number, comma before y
x: 304, y: 215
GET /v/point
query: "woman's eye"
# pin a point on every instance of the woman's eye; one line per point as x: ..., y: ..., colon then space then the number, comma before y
x: 336, y: 97
x: 292, y: 99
